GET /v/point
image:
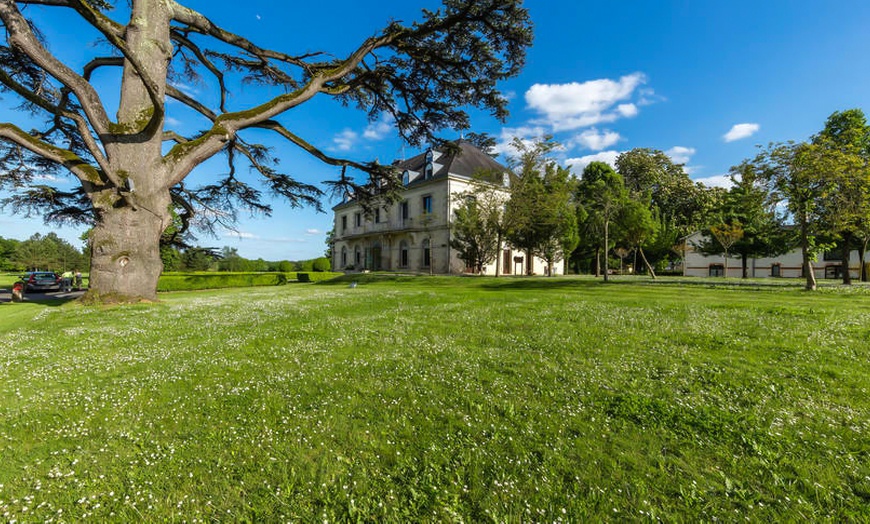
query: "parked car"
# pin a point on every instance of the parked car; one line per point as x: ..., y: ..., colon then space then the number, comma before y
x: 41, y: 281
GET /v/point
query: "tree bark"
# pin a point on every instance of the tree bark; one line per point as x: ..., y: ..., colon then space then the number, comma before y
x: 847, y: 244
x: 125, y: 253
x: 862, y: 259
x: 744, y: 259
x: 646, y: 262
x: 606, y: 244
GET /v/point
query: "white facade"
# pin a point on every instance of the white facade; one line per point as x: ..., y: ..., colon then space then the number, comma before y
x: 697, y: 264
x: 413, y: 234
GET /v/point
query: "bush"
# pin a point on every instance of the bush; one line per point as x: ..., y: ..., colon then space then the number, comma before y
x: 194, y: 281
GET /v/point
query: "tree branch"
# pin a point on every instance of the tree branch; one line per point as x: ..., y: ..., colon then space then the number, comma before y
x: 74, y: 163
x: 22, y: 38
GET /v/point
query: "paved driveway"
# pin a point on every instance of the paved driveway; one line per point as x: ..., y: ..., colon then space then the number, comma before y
x: 35, y: 296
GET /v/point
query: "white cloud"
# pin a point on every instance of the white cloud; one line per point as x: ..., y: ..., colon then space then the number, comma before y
x: 527, y: 134
x: 595, y: 140
x: 680, y: 154
x: 739, y: 131
x: 312, y: 232
x: 716, y: 181
x: 579, y: 164
x: 240, y: 234
x: 378, y: 130
x: 345, y: 140
x: 627, y: 110
x: 573, y: 105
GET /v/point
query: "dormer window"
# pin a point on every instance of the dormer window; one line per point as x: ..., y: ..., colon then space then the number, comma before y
x: 429, y: 171
x: 406, y: 178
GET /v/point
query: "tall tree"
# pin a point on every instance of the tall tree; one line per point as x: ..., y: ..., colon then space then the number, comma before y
x: 475, y: 232
x: 603, y: 194
x: 848, y: 200
x: 800, y: 175
x: 423, y: 75
x: 748, y: 203
x: 539, y: 216
x: 637, y: 227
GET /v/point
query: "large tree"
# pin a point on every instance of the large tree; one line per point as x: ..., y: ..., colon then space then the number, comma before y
x: 602, y: 193
x: 540, y: 218
x: 423, y: 75
x: 801, y: 175
x: 848, y: 200
x: 749, y: 204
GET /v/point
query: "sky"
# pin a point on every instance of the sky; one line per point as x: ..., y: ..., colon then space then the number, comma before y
x: 705, y: 82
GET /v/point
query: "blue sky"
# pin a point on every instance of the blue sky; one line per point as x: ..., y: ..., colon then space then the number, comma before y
x: 705, y: 82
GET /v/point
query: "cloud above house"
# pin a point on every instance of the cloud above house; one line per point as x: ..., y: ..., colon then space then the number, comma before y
x: 564, y: 107
x: 740, y: 131
x: 594, y: 140
x: 680, y: 154
x: 723, y: 181
x: 579, y: 164
x: 348, y: 139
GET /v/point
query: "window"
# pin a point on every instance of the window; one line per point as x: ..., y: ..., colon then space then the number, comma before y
x: 357, y: 220
x: 427, y: 204
x: 427, y: 255
x: 344, y: 223
x: 404, y: 210
x: 717, y: 270
x: 357, y: 258
x: 832, y: 256
x: 429, y: 171
x: 403, y: 254
x: 377, y: 215
x: 776, y: 270
x: 344, y: 256
x: 406, y: 178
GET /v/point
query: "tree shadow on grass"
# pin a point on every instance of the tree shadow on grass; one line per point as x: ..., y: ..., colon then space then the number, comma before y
x: 43, y: 299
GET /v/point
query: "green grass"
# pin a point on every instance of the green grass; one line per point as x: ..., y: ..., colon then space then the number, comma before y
x: 442, y: 399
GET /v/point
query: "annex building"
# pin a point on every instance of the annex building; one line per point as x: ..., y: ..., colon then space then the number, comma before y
x: 413, y: 235
x: 788, y: 265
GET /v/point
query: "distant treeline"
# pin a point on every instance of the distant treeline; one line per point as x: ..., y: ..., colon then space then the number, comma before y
x: 52, y: 253
x: 228, y: 259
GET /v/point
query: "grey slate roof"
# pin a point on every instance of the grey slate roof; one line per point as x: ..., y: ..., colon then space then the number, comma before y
x: 468, y: 161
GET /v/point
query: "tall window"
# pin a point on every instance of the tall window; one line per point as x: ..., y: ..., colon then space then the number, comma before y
x: 344, y: 256
x: 427, y: 255
x: 404, y: 210
x: 357, y: 220
x: 377, y: 215
x: 403, y: 254
x: 427, y: 204
x: 357, y: 257
x: 343, y: 223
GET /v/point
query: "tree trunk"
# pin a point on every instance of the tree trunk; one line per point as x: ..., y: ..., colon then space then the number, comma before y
x: 125, y: 254
x: 606, y: 263
x: 862, y: 259
x: 847, y: 245
x: 744, y: 259
x: 646, y: 262
x: 498, y: 256
x: 726, y: 263
x: 805, y: 254
x: 597, y: 261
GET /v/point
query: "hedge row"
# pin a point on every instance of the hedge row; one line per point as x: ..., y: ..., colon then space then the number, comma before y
x: 194, y: 281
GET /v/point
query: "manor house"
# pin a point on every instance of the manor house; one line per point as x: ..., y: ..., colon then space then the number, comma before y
x: 413, y: 234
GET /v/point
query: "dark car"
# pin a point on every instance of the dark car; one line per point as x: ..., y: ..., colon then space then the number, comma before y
x: 41, y: 281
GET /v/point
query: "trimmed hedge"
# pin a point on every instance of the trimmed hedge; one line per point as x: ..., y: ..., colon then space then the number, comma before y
x: 194, y: 281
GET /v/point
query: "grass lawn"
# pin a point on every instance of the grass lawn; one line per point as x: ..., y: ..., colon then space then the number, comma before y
x: 441, y: 399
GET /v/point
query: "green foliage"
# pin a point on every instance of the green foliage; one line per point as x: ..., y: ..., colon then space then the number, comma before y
x: 683, y: 401
x: 476, y: 229
x: 540, y: 218
x: 195, y: 281
x: 46, y: 252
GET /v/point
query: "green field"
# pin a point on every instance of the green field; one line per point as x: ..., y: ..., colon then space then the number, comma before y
x: 442, y: 399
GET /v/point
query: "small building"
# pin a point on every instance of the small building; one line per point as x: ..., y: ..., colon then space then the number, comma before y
x: 413, y: 234
x: 789, y: 265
